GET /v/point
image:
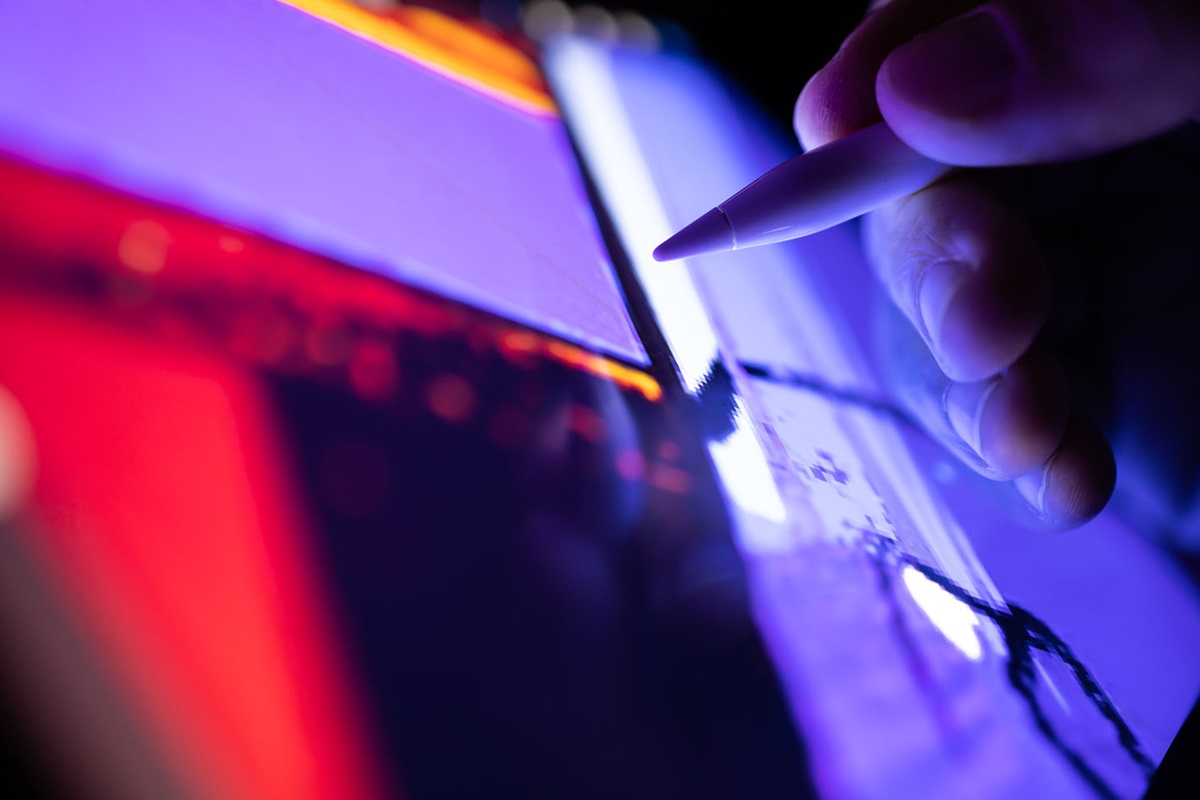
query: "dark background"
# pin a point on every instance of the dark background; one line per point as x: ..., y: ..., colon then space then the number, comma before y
x: 769, y: 48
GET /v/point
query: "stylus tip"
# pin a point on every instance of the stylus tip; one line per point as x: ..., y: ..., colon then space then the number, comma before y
x: 710, y: 233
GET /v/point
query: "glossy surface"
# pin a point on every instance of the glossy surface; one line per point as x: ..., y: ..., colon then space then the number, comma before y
x: 262, y: 115
x: 1075, y: 708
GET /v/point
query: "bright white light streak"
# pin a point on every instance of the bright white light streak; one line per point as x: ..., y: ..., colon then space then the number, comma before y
x: 952, y: 616
x: 740, y: 461
x: 592, y: 102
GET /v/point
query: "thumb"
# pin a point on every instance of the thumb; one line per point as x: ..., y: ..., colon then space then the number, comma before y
x: 1025, y: 81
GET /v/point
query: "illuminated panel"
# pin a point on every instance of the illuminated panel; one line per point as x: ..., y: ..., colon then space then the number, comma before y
x: 168, y: 515
x: 261, y: 115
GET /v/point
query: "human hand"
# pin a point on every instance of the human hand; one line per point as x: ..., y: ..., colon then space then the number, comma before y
x: 1020, y: 82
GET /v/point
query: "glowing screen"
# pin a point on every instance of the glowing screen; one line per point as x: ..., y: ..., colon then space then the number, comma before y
x: 398, y: 144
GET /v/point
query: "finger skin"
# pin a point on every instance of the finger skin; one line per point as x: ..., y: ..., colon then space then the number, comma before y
x: 1002, y: 83
x: 1011, y: 81
x: 840, y: 98
x: 965, y: 271
x: 1015, y: 421
x: 1046, y: 80
x: 1077, y: 480
x: 1003, y: 427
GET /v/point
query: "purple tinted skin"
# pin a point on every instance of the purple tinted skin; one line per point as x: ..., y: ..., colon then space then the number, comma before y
x: 809, y: 193
x: 1008, y: 84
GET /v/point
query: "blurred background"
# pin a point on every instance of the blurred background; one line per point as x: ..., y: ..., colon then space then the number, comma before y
x: 768, y: 47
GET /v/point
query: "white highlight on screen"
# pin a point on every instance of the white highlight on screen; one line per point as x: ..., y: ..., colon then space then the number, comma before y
x: 743, y: 469
x: 952, y: 616
x: 592, y: 101
x: 593, y: 104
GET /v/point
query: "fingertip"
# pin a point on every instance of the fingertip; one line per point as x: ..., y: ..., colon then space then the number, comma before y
x: 962, y: 69
x: 839, y: 99
x: 1076, y: 482
x: 1021, y: 82
x: 832, y: 105
x: 951, y: 94
x: 1024, y: 418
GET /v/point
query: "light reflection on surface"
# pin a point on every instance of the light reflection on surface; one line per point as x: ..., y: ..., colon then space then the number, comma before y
x: 744, y: 471
x: 591, y: 99
x: 951, y: 616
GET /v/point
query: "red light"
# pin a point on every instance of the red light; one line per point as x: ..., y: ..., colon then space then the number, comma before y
x: 451, y: 398
x: 168, y: 516
x: 373, y: 370
x: 586, y: 424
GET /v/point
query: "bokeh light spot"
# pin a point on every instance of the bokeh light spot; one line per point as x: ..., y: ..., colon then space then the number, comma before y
x: 451, y: 398
x: 586, y: 424
x: 143, y: 247
x: 373, y: 369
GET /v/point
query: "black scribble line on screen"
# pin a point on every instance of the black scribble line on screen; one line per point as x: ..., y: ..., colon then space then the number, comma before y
x: 812, y: 383
x: 1023, y: 633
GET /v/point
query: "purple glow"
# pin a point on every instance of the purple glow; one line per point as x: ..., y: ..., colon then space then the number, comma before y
x: 261, y: 115
x: 882, y: 669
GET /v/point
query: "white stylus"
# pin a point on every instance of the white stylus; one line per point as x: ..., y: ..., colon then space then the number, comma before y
x: 809, y: 193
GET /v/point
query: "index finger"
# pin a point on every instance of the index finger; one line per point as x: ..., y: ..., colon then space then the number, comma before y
x: 840, y: 98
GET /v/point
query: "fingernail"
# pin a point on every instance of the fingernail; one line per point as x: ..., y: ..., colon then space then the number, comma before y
x: 963, y: 405
x: 1032, y: 486
x: 959, y: 69
x: 937, y: 286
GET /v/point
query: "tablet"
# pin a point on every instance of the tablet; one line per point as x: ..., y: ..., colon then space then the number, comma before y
x: 361, y: 450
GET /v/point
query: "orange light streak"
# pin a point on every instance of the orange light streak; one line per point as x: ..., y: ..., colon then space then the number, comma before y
x: 598, y: 365
x: 458, y: 51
